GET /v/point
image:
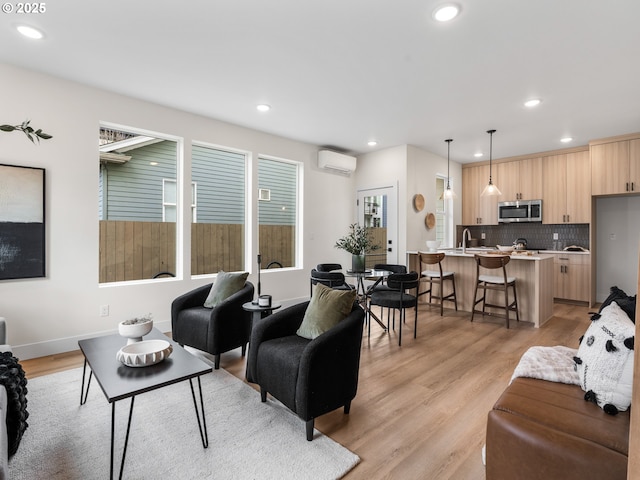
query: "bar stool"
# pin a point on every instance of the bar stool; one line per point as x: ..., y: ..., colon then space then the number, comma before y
x: 437, y: 277
x: 494, y: 282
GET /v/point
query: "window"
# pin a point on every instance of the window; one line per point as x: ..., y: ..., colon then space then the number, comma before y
x: 137, y: 236
x: 169, y: 204
x: 444, y: 216
x: 278, y: 218
x: 218, y: 230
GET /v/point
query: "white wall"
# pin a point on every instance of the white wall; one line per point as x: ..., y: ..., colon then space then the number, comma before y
x: 423, y: 167
x: 48, y: 315
x: 386, y: 168
x: 617, y: 234
x: 413, y: 170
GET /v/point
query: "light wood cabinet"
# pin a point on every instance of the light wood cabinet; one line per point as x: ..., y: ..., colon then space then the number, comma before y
x: 615, y: 167
x: 572, y: 276
x: 520, y: 180
x: 477, y: 210
x: 566, y: 188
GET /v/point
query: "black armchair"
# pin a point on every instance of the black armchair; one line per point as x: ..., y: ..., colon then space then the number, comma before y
x: 213, y: 330
x: 310, y: 377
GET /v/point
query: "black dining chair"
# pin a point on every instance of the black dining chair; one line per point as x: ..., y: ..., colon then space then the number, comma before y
x: 382, y: 285
x: 398, y: 297
x: 329, y: 279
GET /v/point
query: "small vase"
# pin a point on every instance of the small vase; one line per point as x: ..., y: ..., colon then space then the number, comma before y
x: 357, y: 263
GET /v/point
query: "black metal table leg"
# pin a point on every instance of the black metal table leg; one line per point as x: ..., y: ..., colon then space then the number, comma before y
x: 126, y: 439
x: 202, y: 425
x: 83, y: 394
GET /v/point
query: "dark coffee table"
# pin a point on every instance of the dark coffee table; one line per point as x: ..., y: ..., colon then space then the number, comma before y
x: 118, y: 381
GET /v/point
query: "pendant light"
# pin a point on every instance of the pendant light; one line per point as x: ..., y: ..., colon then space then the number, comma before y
x: 448, y: 193
x: 490, y: 189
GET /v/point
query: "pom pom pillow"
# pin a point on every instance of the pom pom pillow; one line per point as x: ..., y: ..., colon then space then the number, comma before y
x: 605, y: 360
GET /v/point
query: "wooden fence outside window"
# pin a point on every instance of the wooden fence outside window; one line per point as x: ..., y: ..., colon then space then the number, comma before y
x: 141, y: 250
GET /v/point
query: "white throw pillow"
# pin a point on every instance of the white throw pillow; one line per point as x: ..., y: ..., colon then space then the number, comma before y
x: 605, y: 360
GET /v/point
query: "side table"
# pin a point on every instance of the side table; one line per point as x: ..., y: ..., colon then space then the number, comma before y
x: 258, y: 312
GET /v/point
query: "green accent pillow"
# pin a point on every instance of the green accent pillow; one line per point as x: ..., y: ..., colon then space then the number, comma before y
x: 225, y: 285
x: 327, y: 308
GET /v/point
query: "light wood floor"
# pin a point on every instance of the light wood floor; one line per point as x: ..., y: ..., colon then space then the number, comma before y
x: 421, y: 409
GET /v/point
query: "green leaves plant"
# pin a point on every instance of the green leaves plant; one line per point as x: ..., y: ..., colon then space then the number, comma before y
x: 28, y: 130
x: 358, y: 241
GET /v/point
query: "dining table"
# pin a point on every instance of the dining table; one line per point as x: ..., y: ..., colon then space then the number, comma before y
x: 375, y: 275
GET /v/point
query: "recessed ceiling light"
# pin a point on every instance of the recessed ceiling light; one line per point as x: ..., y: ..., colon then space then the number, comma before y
x: 30, y: 32
x: 372, y: 143
x: 446, y: 12
x: 478, y: 155
x: 534, y: 102
x: 566, y: 139
x: 263, y: 107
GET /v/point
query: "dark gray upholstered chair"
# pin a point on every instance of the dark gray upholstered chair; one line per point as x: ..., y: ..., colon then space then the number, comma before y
x: 213, y: 330
x: 399, y: 297
x: 310, y: 377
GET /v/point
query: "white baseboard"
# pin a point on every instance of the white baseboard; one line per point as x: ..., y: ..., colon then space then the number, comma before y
x: 69, y: 344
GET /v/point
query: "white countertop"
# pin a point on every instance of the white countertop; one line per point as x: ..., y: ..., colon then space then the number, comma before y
x: 470, y: 252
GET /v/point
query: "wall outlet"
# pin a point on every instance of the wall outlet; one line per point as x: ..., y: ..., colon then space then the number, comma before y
x: 483, y: 236
x: 104, y: 310
x: 555, y: 236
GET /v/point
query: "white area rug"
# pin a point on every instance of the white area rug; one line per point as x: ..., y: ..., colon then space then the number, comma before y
x: 247, y: 439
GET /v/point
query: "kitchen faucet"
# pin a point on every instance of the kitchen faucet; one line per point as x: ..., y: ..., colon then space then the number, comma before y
x: 464, y: 239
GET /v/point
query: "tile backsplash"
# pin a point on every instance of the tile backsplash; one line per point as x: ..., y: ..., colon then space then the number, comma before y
x: 538, y: 235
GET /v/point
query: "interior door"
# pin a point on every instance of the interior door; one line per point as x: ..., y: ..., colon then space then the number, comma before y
x: 378, y: 210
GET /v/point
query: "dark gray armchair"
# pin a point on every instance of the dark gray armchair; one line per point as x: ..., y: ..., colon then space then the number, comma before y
x: 213, y: 330
x: 310, y: 377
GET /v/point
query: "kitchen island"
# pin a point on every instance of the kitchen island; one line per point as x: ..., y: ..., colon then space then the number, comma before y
x: 534, y: 273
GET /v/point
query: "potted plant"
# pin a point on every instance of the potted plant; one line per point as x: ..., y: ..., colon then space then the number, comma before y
x: 357, y: 242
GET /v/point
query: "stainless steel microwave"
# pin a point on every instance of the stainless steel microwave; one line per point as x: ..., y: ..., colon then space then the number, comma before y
x: 520, y: 211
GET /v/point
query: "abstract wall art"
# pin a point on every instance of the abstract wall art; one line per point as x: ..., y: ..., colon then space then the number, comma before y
x: 22, y: 222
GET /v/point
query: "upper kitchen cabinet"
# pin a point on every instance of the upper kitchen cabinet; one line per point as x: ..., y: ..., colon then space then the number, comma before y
x: 477, y: 210
x: 520, y: 180
x: 566, y: 188
x: 615, y: 166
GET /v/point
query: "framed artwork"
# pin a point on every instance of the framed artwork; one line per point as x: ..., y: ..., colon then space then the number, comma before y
x: 22, y: 225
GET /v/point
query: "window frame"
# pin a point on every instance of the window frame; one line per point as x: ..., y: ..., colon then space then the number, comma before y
x: 298, y: 260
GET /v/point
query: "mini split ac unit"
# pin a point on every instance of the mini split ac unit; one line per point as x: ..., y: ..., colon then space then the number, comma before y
x: 336, y: 161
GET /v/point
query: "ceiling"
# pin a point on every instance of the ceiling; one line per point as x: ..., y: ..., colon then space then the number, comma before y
x: 340, y: 73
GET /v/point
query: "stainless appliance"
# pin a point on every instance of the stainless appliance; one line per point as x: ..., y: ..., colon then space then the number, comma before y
x: 520, y: 243
x: 520, y: 211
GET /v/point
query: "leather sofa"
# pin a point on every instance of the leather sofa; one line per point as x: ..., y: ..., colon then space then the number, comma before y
x: 541, y: 430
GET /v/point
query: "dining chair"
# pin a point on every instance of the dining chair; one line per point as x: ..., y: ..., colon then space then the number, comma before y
x: 494, y: 282
x: 330, y: 279
x: 438, y: 277
x: 382, y: 285
x: 398, y: 297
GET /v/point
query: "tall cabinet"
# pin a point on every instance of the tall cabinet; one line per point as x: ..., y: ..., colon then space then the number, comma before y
x: 566, y: 188
x: 615, y: 166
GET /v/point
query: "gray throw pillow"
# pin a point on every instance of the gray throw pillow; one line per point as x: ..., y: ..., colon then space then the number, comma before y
x: 225, y: 285
x: 326, y: 309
